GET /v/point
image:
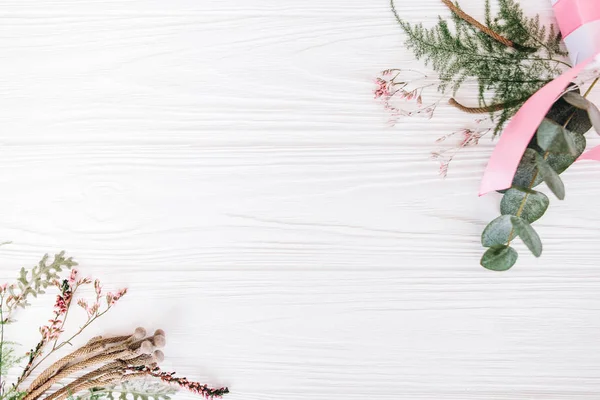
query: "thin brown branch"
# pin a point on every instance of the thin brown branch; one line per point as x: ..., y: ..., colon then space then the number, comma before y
x: 478, y: 110
x: 472, y: 21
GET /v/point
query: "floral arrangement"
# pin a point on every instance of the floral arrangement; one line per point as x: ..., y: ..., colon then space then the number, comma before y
x: 509, y: 57
x: 104, y: 367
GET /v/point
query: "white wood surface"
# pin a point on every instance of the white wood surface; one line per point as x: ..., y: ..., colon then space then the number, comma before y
x: 226, y: 161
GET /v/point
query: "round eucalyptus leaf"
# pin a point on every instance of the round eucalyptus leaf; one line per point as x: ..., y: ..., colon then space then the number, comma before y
x: 499, y: 258
x: 552, y: 137
x: 551, y: 178
x: 563, y: 113
x: 560, y: 162
x: 528, y: 235
x: 498, y: 232
x: 527, y: 170
x: 577, y: 100
x: 534, y: 203
x: 594, y: 115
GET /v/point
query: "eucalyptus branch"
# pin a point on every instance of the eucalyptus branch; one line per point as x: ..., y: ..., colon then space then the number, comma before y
x: 559, y: 141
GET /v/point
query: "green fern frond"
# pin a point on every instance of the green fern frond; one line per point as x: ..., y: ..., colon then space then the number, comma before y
x: 13, y: 395
x: 10, y: 358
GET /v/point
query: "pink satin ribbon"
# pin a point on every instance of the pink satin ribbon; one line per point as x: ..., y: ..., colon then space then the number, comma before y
x: 513, y: 142
x: 571, y: 14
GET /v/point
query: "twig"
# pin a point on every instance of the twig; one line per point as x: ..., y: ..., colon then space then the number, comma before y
x: 467, y: 18
x: 484, y: 110
x: 477, y: 110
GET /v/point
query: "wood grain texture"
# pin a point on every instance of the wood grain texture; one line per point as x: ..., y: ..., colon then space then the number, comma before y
x: 227, y: 162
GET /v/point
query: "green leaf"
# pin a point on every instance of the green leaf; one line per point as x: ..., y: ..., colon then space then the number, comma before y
x: 499, y: 258
x: 594, y: 115
x: 550, y: 177
x: 576, y: 120
x: 561, y: 161
x: 534, y: 204
x: 528, y: 235
x: 498, y: 232
x: 527, y: 170
x: 135, y: 389
x: 552, y: 137
x: 577, y: 100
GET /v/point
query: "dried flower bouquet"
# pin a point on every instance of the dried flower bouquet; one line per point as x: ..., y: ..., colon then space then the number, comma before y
x: 103, y: 367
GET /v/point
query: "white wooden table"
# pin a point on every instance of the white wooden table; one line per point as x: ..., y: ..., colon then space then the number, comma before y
x: 226, y: 161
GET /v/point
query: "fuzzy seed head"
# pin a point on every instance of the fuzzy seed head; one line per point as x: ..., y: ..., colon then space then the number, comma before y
x: 139, y: 333
x: 159, y: 341
x: 146, y: 347
x: 159, y: 356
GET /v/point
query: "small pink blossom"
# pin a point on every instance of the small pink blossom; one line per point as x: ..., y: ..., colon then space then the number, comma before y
x: 403, y: 96
x: 382, y: 89
x: 73, y: 277
x: 82, y: 303
x: 112, y: 298
x: 97, y: 288
x: 468, y: 137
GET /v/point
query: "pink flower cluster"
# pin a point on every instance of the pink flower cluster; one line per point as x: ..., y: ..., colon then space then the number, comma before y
x: 111, y: 299
x: 63, y: 301
x: 67, y: 288
x: 402, y: 96
x: 194, y: 387
x: 11, y: 300
x: 468, y: 137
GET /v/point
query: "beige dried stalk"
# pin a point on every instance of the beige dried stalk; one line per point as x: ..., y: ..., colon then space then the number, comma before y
x: 114, y: 354
x: 106, y: 379
x: 103, y: 381
x: 94, y: 346
x: 65, y: 373
x: 108, y: 370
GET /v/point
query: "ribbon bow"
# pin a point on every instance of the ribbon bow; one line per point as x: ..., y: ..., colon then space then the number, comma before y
x: 579, y: 22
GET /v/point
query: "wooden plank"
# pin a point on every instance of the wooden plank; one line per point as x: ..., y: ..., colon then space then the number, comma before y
x: 227, y: 162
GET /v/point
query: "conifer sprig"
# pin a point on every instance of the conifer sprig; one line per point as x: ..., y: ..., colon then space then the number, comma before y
x: 461, y: 51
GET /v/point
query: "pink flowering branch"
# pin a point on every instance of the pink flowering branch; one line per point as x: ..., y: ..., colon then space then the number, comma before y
x: 468, y: 137
x: 393, y: 88
x: 53, y: 331
x: 170, y: 378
